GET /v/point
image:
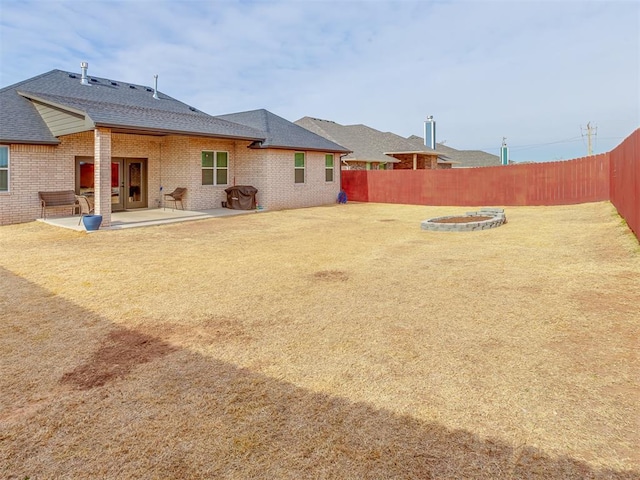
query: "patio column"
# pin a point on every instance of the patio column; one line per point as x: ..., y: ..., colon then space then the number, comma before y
x: 102, y: 172
x: 415, y: 161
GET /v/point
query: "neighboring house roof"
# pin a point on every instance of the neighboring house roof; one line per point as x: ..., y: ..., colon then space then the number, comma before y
x: 464, y: 158
x: 367, y: 144
x: 281, y: 133
x: 56, y: 103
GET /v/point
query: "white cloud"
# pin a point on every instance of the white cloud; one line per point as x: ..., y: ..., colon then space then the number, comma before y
x: 531, y: 71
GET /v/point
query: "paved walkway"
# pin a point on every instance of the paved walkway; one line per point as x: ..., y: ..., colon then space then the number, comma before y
x: 145, y: 217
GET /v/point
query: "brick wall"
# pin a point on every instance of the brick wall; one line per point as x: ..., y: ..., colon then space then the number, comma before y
x: 271, y: 171
x: 422, y: 162
x: 102, y: 170
x: 21, y: 203
x: 282, y: 192
x: 35, y: 168
x: 180, y: 166
x: 172, y: 161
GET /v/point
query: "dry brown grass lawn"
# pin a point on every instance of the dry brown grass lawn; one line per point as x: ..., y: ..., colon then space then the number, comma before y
x: 336, y: 342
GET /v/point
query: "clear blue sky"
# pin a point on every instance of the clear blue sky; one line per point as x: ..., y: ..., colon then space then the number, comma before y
x: 534, y: 72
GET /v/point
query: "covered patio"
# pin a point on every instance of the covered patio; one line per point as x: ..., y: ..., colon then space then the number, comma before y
x: 420, y: 160
x: 146, y: 218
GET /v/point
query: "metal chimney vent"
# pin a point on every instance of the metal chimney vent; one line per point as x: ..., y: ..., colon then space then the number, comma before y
x: 504, y: 152
x: 155, y: 88
x: 84, y: 80
x: 430, y: 132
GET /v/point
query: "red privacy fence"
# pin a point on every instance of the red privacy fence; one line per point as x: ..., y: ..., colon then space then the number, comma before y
x: 625, y: 180
x: 558, y: 183
x: 611, y: 176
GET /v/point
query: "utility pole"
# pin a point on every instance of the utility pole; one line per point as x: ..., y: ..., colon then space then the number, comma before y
x: 590, y: 131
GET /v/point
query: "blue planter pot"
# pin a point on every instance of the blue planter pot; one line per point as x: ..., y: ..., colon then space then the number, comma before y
x: 92, y: 222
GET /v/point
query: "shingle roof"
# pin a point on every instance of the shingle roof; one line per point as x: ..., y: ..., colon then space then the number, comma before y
x: 281, y: 133
x: 367, y: 144
x: 463, y: 158
x: 151, y: 119
x: 106, y: 103
x: 20, y: 122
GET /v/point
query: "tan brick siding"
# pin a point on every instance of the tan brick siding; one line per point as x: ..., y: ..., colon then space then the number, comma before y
x: 282, y: 192
x: 173, y: 161
x: 33, y: 168
x: 102, y: 159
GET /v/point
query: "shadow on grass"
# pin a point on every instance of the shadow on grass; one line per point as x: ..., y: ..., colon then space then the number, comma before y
x: 135, y: 406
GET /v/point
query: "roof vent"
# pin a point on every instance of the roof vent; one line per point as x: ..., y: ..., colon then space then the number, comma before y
x: 149, y: 89
x: 84, y: 80
x: 155, y: 87
x: 132, y: 86
x: 114, y: 84
x: 73, y: 75
x: 94, y: 80
x: 192, y: 109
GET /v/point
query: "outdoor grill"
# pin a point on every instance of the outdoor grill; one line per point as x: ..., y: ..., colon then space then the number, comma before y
x: 241, y: 197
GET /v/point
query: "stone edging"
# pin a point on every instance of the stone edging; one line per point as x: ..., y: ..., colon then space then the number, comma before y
x: 497, y: 218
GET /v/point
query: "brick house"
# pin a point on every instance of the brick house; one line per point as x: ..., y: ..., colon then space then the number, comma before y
x: 461, y: 158
x: 126, y: 144
x: 372, y: 149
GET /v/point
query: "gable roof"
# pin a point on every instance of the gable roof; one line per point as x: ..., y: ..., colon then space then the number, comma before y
x: 464, y: 158
x: 119, y: 105
x: 367, y: 144
x: 281, y: 133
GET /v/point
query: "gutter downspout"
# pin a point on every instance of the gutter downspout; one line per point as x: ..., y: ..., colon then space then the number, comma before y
x: 342, y: 160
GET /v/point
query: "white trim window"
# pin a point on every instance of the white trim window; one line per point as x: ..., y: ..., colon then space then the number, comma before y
x: 328, y: 167
x: 4, y: 168
x: 215, y: 168
x: 299, y: 162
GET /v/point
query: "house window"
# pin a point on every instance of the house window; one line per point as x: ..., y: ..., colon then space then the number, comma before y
x: 328, y: 167
x: 299, y: 167
x: 215, y: 168
x: 4, y: 168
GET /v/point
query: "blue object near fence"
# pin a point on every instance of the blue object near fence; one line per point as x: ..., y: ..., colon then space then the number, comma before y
x: 342, y: 197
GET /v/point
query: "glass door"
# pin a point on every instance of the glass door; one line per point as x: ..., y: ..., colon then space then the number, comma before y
x: 135, y: 170
x: 85, y: 181
x: 117, y: 185
x: 128, y: 181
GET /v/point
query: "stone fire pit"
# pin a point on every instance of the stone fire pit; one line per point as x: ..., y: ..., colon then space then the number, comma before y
x: 481, y: 220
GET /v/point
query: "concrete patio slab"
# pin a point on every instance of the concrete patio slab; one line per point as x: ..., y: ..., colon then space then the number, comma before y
x: 147, y: 217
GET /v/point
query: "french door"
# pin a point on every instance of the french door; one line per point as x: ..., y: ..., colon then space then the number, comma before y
x: 135, y: 182
x: 128, y: 181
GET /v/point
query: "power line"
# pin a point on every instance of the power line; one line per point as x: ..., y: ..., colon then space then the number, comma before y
x: 535, y: 145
